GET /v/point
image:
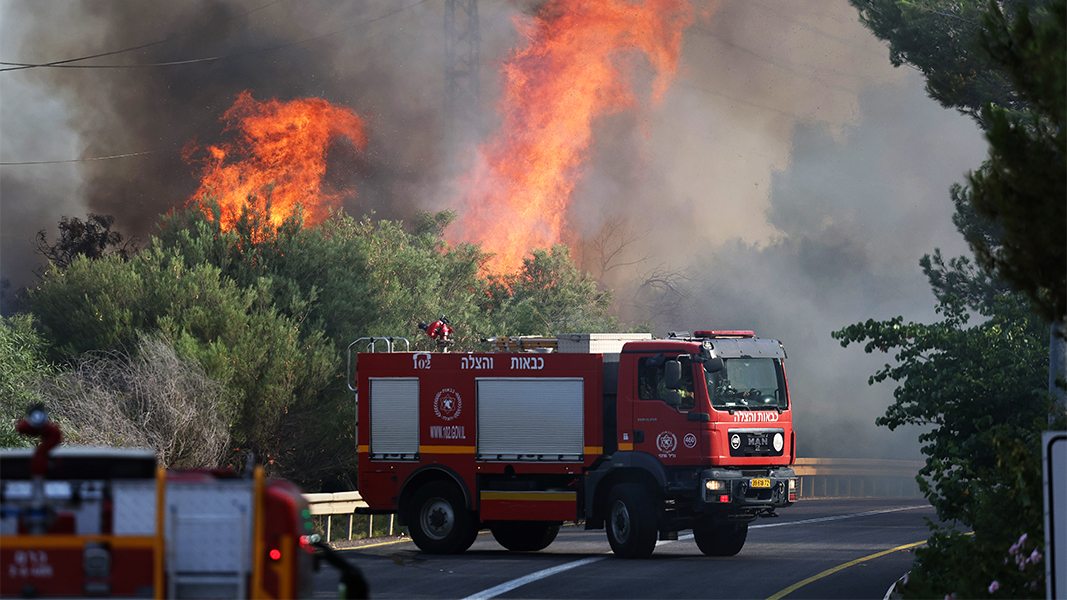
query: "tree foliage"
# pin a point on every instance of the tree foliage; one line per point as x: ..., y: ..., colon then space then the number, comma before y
x: 996, y: 561
x: 92, y: 238
x: 981, y: 389
x: 235, y: 333
x: 961, y: 381
x: 550, y: 295
x: 942, y: 40
x: 1023, y: 185
x: 22, y: 363
x: 1002, y: 63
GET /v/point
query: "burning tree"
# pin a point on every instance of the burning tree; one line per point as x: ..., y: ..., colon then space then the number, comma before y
x: 280, y: 149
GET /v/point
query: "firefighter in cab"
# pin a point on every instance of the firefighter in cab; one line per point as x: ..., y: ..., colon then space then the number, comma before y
x: 441, y: 331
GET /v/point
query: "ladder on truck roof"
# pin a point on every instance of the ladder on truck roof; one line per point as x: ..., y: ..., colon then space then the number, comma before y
x: 567, y: 343
x: 523, y: 343
x: 371, y: 347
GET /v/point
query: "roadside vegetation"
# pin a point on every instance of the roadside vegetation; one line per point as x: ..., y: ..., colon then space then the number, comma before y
x: 978, y: 380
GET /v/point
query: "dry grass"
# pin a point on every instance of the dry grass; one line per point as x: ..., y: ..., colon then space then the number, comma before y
x: 152, y: 399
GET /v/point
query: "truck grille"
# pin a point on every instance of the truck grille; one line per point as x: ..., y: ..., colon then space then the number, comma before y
x: 756, y: 442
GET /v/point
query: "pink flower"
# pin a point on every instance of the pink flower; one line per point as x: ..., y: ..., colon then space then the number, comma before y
x: 994, y: 586
x: 1022, y: 539
x: 1033, y: 586
x: 951, y: 596
x: 1035, y: 557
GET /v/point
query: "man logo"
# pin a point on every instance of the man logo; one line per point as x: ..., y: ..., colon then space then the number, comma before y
x: 735, y: 441
x: 666, y: 442
x: 447, y: 404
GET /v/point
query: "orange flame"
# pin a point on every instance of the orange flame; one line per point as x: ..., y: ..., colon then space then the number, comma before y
x: 279, y: 144
x: 575, y: 67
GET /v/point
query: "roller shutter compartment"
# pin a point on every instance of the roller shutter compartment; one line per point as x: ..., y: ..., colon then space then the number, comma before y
x: 537, y: 419
x: 394, y: 418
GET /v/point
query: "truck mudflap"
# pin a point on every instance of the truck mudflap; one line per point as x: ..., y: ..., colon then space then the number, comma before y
x: 728, y: 489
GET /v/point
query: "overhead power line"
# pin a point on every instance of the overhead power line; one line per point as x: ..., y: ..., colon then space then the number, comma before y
x: 14, y: 66
x: 736, y: 99
x: 778, y: 64
x: 78, y: 160
x: 62, y: 64
x: 65, y: 64
x: 20, y: 66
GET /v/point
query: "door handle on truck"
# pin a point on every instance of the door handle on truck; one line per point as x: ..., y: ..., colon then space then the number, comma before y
x: 639, y: 436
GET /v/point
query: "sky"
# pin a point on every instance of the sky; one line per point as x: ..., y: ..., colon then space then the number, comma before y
x: 788, y: 182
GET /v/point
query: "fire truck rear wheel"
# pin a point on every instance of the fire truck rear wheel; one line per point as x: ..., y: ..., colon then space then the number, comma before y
x: 725, y: 539
x: 441, y: 523
x: 524, y: 536
x: 631, y: 521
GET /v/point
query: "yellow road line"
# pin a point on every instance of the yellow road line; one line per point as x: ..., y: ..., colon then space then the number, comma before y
x: 798, y: 585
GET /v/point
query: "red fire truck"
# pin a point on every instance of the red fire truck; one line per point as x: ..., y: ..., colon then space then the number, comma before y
x: 641, y: 436
x: 109, y: 522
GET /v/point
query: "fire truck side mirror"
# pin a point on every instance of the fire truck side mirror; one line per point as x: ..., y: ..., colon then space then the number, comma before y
x: 672, y: 371
x: 674, y: 398
x: 713, y: 365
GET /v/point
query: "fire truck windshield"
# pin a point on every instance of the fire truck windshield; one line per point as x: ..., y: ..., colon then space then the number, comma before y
x: 748, y: 384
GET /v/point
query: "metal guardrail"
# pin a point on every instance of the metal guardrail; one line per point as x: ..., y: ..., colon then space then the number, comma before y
x: 818, y: 478
x: 342, y: 503
x: 857, y: 477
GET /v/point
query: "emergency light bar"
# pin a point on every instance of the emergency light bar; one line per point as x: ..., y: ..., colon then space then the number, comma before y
x: 724, y: 334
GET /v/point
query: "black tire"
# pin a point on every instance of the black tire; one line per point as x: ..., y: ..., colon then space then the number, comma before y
x: 631, y: 521
x: 524, y: 536
x: 439, y: 521
x: 725, y: 539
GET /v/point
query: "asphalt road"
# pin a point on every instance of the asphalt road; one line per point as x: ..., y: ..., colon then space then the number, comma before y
x: 843, y: 548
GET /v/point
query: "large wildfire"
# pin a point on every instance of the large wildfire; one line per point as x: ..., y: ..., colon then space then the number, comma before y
x: 279, y: 150
x: 578, y: 64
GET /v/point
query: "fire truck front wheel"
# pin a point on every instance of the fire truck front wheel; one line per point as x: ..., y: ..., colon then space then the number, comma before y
x: 631, y: 518
x: 724, y: 539
x: 524, y: 536
x: 441, y: 523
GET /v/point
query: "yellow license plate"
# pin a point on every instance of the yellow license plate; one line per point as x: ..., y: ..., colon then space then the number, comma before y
x: 760, y: 483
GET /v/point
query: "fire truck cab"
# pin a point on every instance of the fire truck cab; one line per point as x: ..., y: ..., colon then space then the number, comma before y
x: 643, y: 437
